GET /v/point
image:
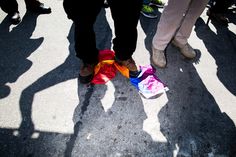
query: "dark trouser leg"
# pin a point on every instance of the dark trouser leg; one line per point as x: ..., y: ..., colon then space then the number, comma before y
x: 9, y: 6
x: 85, y: 41
x: 125, y: 15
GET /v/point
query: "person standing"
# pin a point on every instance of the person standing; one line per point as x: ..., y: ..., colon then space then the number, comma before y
x: 175, y: 25
x: 124, y: 43
x: 11, y: 8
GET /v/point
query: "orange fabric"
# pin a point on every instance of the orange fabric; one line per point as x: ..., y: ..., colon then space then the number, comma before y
x: 123, y: 70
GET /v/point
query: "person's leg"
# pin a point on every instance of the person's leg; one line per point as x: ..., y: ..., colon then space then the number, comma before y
x: 196, y: 8
x: 170, y: 20
x: 125, y: 23
x: 84, y: 35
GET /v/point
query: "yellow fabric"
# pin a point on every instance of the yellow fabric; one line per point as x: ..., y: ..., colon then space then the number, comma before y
x: 122, y: 69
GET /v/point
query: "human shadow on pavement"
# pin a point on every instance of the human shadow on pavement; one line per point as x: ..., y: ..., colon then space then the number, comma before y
x: 222, y: 47
x: 108, y: 121
x: 21, y: 142
x: 191, y: 120
x: 16, y: 45
x: 103, y: 40
x: 66, y: 71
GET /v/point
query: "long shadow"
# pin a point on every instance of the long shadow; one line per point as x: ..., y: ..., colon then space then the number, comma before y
x: 191, y: 120
x: 20, y: 142
x: 117, y: 131
x: 103, y: 37
x: 66, y: 71
x: 15, y: 46
x: 222, y: 47
x: 82, y: 107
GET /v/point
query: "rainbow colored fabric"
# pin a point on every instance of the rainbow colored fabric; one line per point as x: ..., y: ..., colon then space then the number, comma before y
x: 147, y: 83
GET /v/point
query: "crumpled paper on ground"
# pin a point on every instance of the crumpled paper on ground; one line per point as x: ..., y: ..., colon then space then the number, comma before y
x: 147, y: 83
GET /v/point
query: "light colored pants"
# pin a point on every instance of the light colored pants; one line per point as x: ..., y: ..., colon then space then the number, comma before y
x: 177, y: 21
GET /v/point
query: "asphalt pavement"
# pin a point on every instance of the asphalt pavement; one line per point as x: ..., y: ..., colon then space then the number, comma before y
x: 46, y: 112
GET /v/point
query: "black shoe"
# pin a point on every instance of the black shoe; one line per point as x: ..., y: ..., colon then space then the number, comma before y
x: 40, y: 8
x: 15, y: 18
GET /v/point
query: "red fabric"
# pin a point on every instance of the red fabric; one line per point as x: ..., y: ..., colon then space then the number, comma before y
x: 105, y: 69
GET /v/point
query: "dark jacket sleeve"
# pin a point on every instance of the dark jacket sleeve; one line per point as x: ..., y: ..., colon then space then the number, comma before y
x: 70, y: 8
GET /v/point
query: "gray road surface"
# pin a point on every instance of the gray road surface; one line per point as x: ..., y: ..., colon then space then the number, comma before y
x: 46, y: 112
